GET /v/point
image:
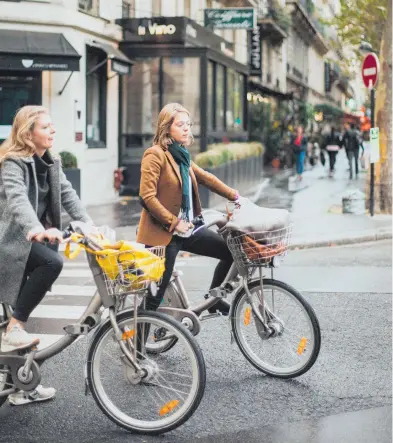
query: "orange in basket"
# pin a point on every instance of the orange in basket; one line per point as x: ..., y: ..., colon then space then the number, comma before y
x: 257, y: 251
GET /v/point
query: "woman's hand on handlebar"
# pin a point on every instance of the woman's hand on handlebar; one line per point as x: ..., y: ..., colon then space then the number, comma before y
x: 183, y: 227
x: 51, y: 235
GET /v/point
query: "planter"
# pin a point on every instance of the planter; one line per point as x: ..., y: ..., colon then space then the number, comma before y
x: 74, y: 177
x: 239, y: 174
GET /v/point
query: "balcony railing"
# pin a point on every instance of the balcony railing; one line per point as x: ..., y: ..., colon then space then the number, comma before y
x: 308, y: 5
x: 89, y: 6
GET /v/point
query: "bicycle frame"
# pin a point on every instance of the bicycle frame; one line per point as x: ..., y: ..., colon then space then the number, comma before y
x: 177, y: 290
x: 90, y: 319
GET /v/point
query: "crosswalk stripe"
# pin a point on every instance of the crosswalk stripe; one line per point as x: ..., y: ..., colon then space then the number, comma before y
x: 76, y: 273
x: 75, y: 265
x: 83, y: 291
x: 58, y: 312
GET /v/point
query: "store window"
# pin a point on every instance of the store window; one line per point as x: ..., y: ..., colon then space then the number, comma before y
x: 17, y: 91
x: 230, y: 100
x: 220, y: 97
x: 96, y: 88
x: 210, y: 96
x: 239, y: 97
x: 140, y: 92
x: 235, y: 101
x: 181, y: 84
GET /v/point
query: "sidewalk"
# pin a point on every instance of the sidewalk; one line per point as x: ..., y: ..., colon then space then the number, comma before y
x: 316, y: 208
x: 317, y: 211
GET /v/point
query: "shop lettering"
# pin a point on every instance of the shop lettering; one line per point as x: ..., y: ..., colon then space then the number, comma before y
x: 156, y: 29
x: 255, y: 49
x: 30, y: 64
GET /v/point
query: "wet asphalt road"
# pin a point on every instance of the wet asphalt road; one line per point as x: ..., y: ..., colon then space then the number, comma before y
x: 345, y: 397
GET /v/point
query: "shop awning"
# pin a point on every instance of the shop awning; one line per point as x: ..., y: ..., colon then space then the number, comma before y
x: 36, y: 51
x: 120, y: 63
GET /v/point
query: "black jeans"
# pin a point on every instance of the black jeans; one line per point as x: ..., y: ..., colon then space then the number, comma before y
x: 353, y: 155
x: 332, y: 159
x: 42, y: 269
x: 206, y: 243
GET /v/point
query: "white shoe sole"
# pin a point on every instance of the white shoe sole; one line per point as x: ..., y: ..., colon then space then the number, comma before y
x: 10, y: 348
x: 25, y: 401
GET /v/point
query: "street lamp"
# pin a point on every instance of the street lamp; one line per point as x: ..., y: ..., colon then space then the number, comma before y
x: 365, y: 47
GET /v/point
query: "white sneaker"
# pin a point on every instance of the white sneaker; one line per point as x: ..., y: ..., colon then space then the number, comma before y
x: 39, y: 394
x: 17, y: 338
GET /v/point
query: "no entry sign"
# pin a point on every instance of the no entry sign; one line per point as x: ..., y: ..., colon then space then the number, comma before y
x: 370, y: 70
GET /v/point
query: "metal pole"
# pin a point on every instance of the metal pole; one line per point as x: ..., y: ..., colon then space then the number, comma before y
x: 372, y: 164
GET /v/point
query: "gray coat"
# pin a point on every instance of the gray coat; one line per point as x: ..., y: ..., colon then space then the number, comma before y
x: 18, y: 216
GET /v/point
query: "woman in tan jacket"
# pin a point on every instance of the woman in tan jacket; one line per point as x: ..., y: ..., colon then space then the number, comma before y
x: 170, y: 197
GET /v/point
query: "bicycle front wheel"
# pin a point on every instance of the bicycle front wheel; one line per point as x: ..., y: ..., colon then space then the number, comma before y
x: 169, y: 392
x: 292, y: 346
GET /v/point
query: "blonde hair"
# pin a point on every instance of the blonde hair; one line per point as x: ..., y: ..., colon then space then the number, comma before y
x: 165, y: 120
x: 18, y: 143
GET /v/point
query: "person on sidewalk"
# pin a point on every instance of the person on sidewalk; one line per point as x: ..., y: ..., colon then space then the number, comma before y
x: 332, y: 145
x: 33, y: 188
x: 352, y: 143
x: 170, y: 198
x: 299, y: 146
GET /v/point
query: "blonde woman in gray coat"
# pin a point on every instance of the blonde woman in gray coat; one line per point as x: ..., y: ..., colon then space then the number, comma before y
x: 33, y: 188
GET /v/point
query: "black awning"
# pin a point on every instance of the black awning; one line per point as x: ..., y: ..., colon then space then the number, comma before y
x: 120, y: 62
x: 268, y: 91
x: 36, y: 51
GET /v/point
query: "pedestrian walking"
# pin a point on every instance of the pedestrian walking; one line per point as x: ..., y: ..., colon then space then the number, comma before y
x: 299, y: 147
x: 332, y: 144
x: 352, y: 143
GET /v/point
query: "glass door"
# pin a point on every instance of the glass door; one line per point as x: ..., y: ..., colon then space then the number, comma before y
x: 17, y: 90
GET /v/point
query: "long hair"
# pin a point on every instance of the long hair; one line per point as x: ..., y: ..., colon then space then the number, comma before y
x: 18, y: 143
x: 166, y: 118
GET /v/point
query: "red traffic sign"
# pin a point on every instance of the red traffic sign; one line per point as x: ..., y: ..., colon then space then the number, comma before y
x: 370, y: 70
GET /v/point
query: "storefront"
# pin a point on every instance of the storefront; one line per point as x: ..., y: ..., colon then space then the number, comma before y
x: 76, y: 76
x: 177, y: 60
x: 23, y: 58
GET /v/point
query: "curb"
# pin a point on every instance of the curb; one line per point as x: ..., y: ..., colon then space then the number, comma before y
x: 342, y: 241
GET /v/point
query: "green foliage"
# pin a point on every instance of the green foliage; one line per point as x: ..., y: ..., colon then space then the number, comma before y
x: 361, y: 20
x: 221, y: 153
x: 329, y: 110
x: 279, y: 14
x: 68, y: 160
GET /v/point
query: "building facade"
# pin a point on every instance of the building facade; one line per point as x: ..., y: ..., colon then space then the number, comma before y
x: 104, y: 69
x: 63, y: 55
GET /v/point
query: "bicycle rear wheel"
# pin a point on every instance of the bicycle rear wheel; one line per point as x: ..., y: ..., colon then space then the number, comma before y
x: 294, y: 346
x: 5, y: 375
x: 171, y: 389
x: 5, y: 382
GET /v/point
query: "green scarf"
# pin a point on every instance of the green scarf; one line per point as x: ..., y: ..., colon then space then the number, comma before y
x: 183, y: 159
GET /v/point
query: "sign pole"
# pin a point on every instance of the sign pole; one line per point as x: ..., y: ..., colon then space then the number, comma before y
x: 370, y: 71
x: 372, y: 99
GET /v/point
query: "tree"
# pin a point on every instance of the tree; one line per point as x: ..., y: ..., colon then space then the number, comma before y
x: 383, y: 114
x: 371, y: 21
x: 360, y: 20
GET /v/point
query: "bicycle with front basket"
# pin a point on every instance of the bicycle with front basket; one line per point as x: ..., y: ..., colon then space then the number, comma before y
x: 139, y: 392
x: 273, y: 325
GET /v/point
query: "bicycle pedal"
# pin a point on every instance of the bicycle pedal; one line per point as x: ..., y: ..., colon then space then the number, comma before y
x: 77, y: 329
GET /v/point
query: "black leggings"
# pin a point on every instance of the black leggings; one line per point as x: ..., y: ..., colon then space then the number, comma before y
x: 206, y: 243
x: 42, y: 269
x: 332, y: 159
